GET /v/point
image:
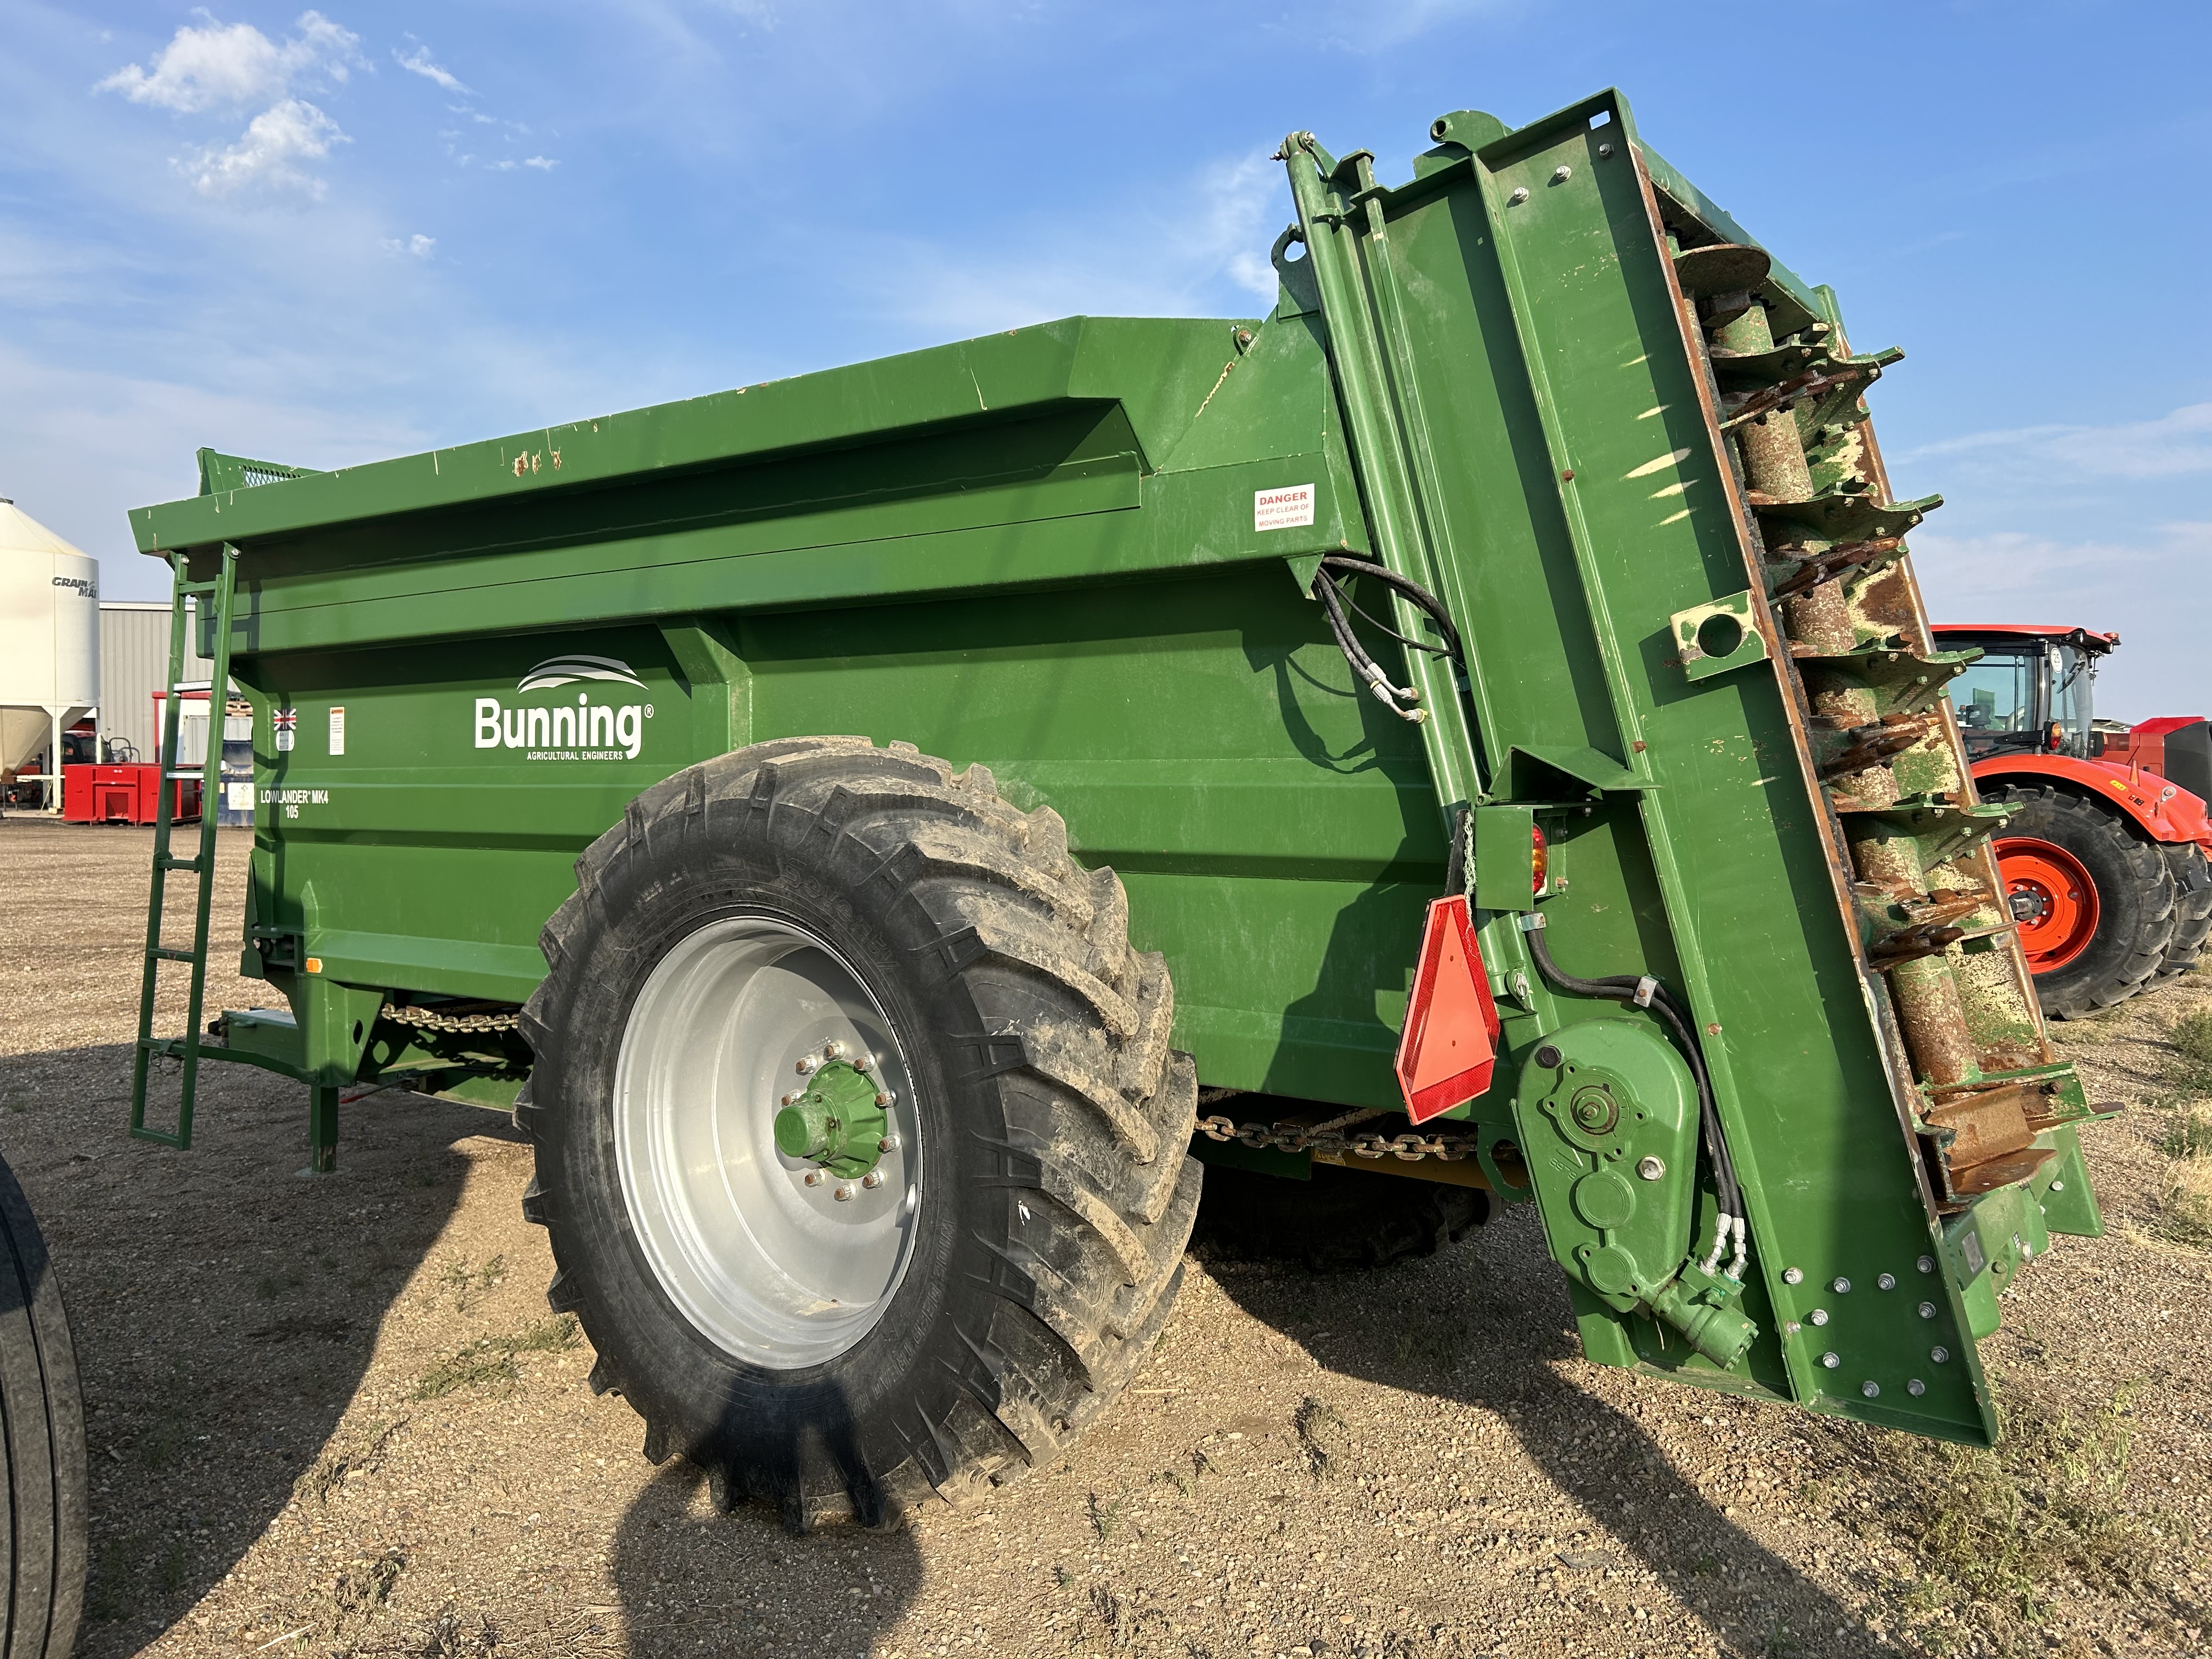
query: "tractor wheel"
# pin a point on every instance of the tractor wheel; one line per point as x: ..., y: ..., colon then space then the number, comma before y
x: 42, y: 1467
x: 859, y: 1138
x: 2095, y: 901
x: 1341, y: 1221
x: 2192, y: 907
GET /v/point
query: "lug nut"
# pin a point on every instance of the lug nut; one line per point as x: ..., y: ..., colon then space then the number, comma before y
x: 1793, y: 1275
x: 888, y: 1144
x: 864, y: 1063
x: 873, y: 1179
x: 843, y: 1194
x: 806, y: 1063
x: 1887, y: 1282
x: 885, y: 1098
x: 1652, y: 1167
x: 833, y: 1051
x: 813, y: 1177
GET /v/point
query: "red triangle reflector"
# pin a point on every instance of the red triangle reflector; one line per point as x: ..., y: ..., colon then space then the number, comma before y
x: 1449, y: 1047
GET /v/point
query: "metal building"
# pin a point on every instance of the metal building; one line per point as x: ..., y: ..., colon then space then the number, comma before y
x: 134, y: 651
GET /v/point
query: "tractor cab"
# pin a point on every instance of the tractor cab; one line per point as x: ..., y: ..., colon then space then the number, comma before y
x: 2030, y: 692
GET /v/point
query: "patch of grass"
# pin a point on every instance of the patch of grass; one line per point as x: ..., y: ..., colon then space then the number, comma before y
x: 349, y: 1599
x: 467, y: 1283
x: 1322, y: 1435
x: 2184, y: 1199
x: 1105, y: 1517
x: 2191, y: 1066
x: 1997, y: 1532
x: 490, y: 1360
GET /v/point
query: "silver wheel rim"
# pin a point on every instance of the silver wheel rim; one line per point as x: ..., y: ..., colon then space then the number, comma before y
x: 771, y: 1269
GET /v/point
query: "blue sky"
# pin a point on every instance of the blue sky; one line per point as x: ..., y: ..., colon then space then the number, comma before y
x: 326, y: 237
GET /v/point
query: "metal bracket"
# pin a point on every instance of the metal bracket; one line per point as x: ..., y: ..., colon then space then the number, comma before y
x: 1715, y: 637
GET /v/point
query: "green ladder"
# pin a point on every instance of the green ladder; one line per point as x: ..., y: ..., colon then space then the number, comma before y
x: 216, y: 595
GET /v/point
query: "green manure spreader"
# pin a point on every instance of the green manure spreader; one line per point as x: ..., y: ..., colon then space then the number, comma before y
x: 1469, y: 736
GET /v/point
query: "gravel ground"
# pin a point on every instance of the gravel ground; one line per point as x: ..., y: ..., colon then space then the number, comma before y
x: 332, y: 1416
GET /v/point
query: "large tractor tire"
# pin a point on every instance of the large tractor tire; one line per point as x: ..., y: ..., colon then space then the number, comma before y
x: 1340, y: 1221
x: 859, y: 1138
x: 41, y: 1444
x: 2192, y: 907
x: 2098, y: 900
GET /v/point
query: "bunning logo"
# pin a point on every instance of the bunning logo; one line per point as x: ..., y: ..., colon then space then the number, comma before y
x: 566, y: 671
x: 582, y: 730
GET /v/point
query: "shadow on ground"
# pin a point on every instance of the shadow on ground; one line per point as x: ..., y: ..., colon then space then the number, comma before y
x: 223, y: 1307
x: 1486, y: 1322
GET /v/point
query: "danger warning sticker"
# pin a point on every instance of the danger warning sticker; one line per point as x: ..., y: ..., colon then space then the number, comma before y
x: 1283, y: 509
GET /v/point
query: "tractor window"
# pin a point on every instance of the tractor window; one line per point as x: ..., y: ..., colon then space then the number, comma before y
x: 2070, y: 701
x: 1995, y: 700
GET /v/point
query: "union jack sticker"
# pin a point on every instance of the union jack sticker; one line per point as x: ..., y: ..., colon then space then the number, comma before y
x: 287, y: 722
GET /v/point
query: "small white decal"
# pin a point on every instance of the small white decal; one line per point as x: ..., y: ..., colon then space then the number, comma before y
x: 237, y: 797
x: 337, y: 729
x: 1283, y: 509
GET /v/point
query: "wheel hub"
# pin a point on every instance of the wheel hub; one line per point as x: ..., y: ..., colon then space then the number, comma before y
x: 2053, y: 897
x: 838, y: 1123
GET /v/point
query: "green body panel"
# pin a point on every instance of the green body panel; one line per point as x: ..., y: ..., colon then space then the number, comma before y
x: 1041, y: 551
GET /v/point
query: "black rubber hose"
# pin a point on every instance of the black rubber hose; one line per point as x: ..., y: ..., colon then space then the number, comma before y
x: 1412, y: 590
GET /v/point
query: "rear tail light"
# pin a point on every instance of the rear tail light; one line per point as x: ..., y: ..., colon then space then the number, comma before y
x: 1540, y: 860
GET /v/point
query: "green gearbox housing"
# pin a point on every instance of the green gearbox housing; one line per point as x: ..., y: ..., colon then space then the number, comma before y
x: 1542, y: 378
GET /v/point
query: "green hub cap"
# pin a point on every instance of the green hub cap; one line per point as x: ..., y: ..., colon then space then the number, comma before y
x: 837, y: 1122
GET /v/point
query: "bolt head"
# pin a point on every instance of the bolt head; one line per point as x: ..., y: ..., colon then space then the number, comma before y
x: 1651, y: 1169
x: 813, y: 1177
x: 885, y: 1098
x: 1819, y: 1316
x: 1887, y: 1282
x: 1561, y: 174
x: 843, y: 1194
x: 1938, y: 1355
x: 1793, y: 1275
x: 873, y: 1179
x: 1518, y: 197
x: 1831, y: 1360
x: 863, y: 1063
x: 1605, y: 149
x: 1869, y: 1387
x: 2058, y: 1186
x: 806, y: 1065
x: 1928, y: 1311
x: 1916, y: 1387
x: 888, y: 1144
x: 1840, y: 1285
x: 1547, y: 1056
x: 833, y: 1051
x: 1926, y: 1264
x: 791, y: 1099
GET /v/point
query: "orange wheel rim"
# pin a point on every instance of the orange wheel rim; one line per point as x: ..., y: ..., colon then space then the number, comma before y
x: 2054, y: 888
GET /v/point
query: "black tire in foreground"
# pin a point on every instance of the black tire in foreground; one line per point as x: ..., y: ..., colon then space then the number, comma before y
x: 1341, y: 1221
x: 2135, y: 899
x: 1036, y: 1125
x: 2192, y: 907
x: 41, y: 1444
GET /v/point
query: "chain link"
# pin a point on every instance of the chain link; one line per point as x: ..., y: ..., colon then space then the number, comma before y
x: 1290, y: 1138
x: 429, y: 1019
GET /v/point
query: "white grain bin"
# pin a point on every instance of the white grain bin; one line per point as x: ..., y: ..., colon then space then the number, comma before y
x: 49, y: 637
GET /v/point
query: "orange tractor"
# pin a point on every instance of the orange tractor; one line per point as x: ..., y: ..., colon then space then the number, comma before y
x: 2106, y: 860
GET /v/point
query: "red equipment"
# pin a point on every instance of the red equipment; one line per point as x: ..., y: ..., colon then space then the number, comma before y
x: 2105, y: 861
x: 123, y: 794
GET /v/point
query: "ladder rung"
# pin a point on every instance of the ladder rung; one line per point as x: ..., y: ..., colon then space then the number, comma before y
x: 167, y: 863
x: 195, y: 775
x: 167, y: 954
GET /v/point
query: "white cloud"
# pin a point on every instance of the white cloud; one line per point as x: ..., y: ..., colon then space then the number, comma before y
x: 265, y: 160
x: 418, y: 245
x: 419, y: 62
x: 2007, y: 570
x: 2170, y: 445
x: 231, y: 66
